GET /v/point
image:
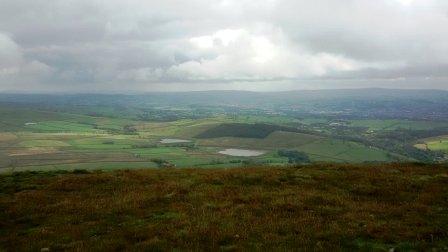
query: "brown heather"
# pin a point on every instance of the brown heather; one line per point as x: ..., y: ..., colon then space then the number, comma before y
x: 316, y: 207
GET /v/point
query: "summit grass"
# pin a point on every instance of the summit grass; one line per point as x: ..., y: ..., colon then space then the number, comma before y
x: 316, y: 207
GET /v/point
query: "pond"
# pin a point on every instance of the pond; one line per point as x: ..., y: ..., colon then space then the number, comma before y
x: 242, y: 152
x: 173, y: 140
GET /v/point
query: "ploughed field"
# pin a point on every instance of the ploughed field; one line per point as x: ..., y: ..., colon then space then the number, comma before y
x: 316, y: 207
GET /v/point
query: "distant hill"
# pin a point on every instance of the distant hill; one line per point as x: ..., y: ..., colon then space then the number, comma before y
x: 384, y: 103
x: 223, y: 97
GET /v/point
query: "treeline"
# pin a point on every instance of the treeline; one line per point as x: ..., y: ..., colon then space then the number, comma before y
x: 294, y: 156
x: 168, y: 115
x: 257, y: 130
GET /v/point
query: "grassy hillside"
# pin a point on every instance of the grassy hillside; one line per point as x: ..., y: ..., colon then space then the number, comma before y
x: 319, y: 148
x: 318, y: 207
x: 30, y: 120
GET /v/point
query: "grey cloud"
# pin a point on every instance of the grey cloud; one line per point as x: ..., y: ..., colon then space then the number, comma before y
x: 100, y: 45
x: 368, y: 30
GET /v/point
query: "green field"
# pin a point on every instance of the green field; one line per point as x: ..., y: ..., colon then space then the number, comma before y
x: 42, y: 140
x: 441, y: 145
x: 434, y: 143
x: 320, y: 149
x: 86, y: 166
x: 42, y: 143
x: 337, y: 150
x: 397, y: 124
x: 18, y: 120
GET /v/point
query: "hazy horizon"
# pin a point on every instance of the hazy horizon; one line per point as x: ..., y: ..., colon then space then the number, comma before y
x: 270, y: 45
x: 128, y: 92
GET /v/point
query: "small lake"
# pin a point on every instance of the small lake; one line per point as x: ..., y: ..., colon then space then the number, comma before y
x: 173, y: 140
x: 242, y: 152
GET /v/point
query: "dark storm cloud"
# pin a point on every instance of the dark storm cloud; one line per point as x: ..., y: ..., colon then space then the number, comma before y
x: 48, y: 45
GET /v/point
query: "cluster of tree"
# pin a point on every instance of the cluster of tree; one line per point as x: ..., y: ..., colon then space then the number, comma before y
x: 129, y: 130
x: 246, y: 130
x: 188, y: 145
x: 168, y: 115
x: 144, y: 145
x: 294, y: 156
x: 163, y: 163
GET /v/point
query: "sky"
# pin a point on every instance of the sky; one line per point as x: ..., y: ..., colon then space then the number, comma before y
x: 265, y: 45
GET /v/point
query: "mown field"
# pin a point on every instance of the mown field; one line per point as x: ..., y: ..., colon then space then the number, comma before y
x: 434, y: 143
x: 316, y: 207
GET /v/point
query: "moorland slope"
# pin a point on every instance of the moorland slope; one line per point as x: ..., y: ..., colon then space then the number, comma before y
x: 316, y: 207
